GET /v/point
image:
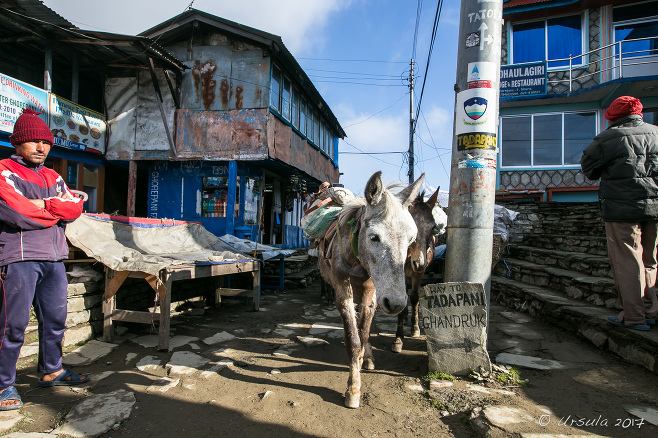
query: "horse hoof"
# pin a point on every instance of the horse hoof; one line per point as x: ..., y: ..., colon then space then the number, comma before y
x: 352, y: 400
x: 368, y: 364
x: 415, y: 333
x: 397, y: 346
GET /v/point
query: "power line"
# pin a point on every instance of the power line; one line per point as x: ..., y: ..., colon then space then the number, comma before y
x: 419, y: 8
x: 352, y: 73
x: 354, y: 60
x: 367, y: 153
x: 380, y: 111
x: 437, y: 16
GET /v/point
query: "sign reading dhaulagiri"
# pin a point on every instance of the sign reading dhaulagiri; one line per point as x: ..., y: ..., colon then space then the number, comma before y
x: 76, y: 127
x: 16, y: 95
x: 454, y: 317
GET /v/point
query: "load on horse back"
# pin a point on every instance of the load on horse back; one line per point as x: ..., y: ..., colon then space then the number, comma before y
x: 362, y: 257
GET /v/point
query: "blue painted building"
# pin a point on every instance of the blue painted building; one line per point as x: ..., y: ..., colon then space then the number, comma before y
x: 241, y: 138
x: 562, y: 63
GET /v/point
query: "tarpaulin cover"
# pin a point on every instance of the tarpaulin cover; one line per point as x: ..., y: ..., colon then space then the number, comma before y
x: 148, y: 247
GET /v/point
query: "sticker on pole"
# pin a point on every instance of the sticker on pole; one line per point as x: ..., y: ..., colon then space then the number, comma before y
x: 481, y: 74
x: 476, y: 111
x: 476, y: 140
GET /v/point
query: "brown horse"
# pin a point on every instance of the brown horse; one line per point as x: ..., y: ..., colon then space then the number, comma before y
x: 364, y: 263
x: 421, y: 253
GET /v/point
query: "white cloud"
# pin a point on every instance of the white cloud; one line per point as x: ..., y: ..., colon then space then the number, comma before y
x: 298, y: 22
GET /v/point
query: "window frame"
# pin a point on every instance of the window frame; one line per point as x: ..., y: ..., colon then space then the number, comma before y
x: 532, y: 165
x: 583, y: 42
x: 615, y: 24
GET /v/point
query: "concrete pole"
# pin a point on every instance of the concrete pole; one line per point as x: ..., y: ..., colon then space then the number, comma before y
x: 411, y: 122
x: 474, y: 146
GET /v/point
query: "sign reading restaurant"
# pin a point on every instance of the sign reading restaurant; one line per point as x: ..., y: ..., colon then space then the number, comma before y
x: 523, y: 79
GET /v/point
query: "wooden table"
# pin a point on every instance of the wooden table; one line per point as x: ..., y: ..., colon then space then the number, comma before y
x: 162, y: 285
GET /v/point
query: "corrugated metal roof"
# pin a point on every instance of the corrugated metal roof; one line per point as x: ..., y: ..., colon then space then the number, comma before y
x: 29, y: 23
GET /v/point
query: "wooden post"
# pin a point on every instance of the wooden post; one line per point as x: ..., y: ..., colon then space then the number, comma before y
x: 132, y: 187
x: 163, y: 332
x: 108, y: 307
x: 256, y: 286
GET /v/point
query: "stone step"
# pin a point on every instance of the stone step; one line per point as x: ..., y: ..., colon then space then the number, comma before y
x: 572, y: 284
x: 588, y: 244
x: 581, y: 318
x: 590, y: 264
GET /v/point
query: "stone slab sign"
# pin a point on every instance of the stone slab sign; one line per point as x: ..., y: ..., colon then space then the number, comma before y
x: 454, y: 316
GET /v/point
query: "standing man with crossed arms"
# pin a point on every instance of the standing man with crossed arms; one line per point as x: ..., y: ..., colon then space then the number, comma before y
x: 35, y: 205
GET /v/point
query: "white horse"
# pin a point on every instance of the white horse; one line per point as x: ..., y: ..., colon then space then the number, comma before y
x: 367, y: 254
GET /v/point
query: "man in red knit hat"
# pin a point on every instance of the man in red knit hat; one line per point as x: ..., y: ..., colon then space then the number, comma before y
x: 35, y: 205
x: 625, y: 157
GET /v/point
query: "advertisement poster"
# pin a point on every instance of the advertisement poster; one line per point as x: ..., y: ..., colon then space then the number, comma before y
x: 76, y: 127
x: 16, y: 95
x: 481, y: 74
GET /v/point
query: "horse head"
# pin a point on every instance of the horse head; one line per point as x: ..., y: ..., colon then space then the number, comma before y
x: 421, y: 251
x: 387, y: 231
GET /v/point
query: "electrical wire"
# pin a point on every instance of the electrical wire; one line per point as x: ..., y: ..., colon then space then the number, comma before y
x: 435, y: 27
x: 380, y: 111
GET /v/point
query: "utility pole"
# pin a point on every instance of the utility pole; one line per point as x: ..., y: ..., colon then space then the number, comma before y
x: 474, y: 145
x: 411, y: 122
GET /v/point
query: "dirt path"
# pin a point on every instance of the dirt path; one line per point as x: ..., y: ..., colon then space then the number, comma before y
x: 247, y: 387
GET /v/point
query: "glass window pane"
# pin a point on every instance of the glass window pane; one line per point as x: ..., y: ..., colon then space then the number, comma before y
x: 579, y: 130
x: 302, y: 116
x: 564, y: 39
x: 528, y: 42
x: 316, y: 129
x: 547, y: 140
x: 636, y: 31
x: 275, y: 88
x: 285, y: 98
x: 634, y: 12
x: 295, y: 108
x: 515, y: 141
x: 650, y: 115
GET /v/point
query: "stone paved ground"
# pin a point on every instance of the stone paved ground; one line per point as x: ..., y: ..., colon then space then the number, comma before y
x: 282, y: 372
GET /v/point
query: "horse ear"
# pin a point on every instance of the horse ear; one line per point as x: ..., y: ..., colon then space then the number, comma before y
x: 374, y: 189
x: 407, y: 195
x: 430, y: 202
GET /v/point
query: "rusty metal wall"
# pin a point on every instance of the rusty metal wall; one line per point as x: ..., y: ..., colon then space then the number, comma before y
x: 221, y: 79
x: 222, y: 135
x: 151, y: 134
x: 121, y: 102
x: 284, y: 144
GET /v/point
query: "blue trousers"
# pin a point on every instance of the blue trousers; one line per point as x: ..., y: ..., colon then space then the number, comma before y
x: 44, y: 286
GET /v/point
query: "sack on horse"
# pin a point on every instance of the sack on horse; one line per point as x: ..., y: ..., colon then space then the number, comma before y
x: 323, y: 209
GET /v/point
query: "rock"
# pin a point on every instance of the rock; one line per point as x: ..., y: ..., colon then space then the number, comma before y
x: 438, y: 384
x: 77, y: 334
x: 311, y: 341
x: 219, y: 337
x: 97, y: 414
x: 537, y: 363
x: 185, y: 362
x: 148, y: 362
x: 9, y: 419
x: 88, y: 353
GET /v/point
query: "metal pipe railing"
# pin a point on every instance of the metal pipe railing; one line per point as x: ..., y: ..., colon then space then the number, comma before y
x: 616, y: 58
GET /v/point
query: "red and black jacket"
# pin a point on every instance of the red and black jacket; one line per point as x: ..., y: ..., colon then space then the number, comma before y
x: 28, y: 232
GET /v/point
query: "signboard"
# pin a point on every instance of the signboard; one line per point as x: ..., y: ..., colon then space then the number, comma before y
x: 523, y: 80
x: 16, y: 95
x: 76, y: 127
x: 454, y: 317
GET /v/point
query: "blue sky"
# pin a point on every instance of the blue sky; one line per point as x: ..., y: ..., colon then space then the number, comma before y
x: 357, y: 53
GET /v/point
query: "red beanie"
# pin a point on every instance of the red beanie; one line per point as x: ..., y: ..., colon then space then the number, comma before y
x: 623, y: 106
x: 29, y: 127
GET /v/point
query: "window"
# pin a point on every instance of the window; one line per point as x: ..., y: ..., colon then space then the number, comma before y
x: 302, y: 115
x: 295, y: 107
x: 285, y: 98
x: 650, y: 115
x: 539, y: 140
x: 555, y: 38
x: 631, y: 23
x: 275, y: 88
x: 316, y: 129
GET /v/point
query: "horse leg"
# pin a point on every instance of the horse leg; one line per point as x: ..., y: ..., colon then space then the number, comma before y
x: 365, y: 320
x: 399, y: 334
x: 354, y: 348
x: 415, y: 288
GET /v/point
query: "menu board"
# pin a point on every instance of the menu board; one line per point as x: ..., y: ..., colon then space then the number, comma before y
x: 76, y: 127
x: 16, y: 95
